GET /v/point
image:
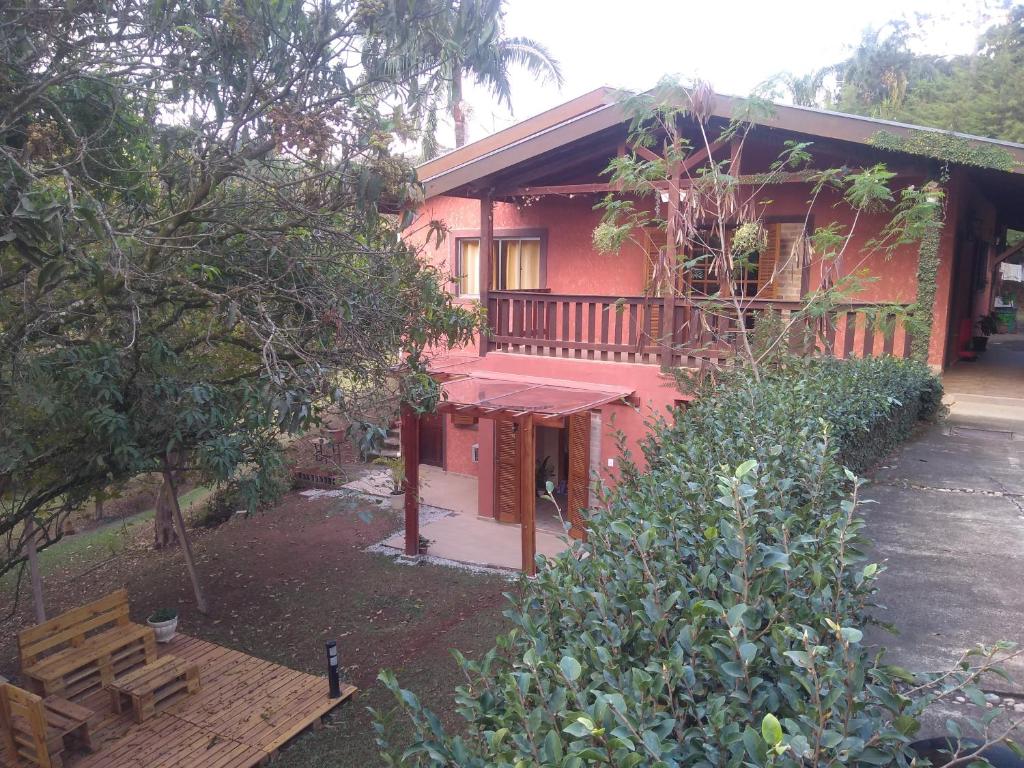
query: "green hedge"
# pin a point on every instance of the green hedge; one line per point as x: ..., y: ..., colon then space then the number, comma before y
x: 714, y: 616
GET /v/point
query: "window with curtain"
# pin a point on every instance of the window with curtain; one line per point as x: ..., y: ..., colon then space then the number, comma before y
x: 515, y: 265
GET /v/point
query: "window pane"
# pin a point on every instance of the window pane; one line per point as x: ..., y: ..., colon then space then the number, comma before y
x: 515, y: 265
x: 529, y: 264
x: 469, y: 267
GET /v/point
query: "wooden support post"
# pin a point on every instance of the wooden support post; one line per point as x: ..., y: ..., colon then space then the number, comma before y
x: 411, y: 456
x: 668, y: 308
x: 186, y: 545
x: 528, y: 492
x: 484, y: 268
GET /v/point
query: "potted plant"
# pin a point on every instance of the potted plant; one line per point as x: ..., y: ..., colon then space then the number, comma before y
x: 164, y: 622
x: 987, y: 325
x: 396, y: 467
x: 423, y: 545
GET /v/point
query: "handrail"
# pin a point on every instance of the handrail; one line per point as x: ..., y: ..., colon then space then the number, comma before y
x: 684, y: 331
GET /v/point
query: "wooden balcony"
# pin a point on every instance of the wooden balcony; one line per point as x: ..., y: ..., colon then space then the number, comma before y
x: 630, y: 329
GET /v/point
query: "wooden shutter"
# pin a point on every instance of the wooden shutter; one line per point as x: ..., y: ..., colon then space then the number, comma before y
x: 506, y: 481
x: 579, y: 473
x: 655, y: 244
x: 766, y: 263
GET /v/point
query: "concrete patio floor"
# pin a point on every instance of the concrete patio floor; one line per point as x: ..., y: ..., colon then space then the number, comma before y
x: 461, y: 535
x: 948, y: 526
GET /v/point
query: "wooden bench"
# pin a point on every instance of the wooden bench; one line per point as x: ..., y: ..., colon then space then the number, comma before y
x: 36, y: 731
x: 154, y: 685
x: 73, y: 654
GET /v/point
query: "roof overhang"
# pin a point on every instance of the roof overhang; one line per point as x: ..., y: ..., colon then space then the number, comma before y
x: 507, y: 397
x: 469, y: 166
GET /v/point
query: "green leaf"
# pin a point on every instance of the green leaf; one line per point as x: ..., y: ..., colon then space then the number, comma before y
x: 745, y: 468
x: 851, y: 635
x: 570, y: 668
x: 771, y: 730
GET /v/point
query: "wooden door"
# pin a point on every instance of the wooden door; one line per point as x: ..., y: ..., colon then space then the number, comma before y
x: 432, y: 439
x: 506, y: 474
x: 579, y: 473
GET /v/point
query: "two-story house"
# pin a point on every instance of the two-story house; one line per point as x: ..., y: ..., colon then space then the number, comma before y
x: 580, y: 350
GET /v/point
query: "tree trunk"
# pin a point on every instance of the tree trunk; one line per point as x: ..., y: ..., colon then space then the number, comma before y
x: 458, y: 112
x: 33, y: 570
x: 186, y: 545
x: 98, y: 508
x: 163, y: 523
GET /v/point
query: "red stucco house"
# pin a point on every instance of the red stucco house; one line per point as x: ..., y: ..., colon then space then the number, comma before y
x: 580, y: 351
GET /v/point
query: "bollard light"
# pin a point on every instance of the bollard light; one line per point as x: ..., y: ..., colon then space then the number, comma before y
x: 332, y: 669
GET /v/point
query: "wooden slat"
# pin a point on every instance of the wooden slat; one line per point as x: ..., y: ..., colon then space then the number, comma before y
x: 72, y: 627
x: 506, y: 479
x: 579, y: 472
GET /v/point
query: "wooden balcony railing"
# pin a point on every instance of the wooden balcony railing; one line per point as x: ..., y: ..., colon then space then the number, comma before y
x: 631, y: 329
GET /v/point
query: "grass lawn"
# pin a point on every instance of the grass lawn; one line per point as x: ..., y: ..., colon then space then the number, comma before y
x: 282, y: 583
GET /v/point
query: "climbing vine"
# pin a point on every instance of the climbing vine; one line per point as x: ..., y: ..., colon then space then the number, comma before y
x: 921, y: 315
x: 945, y: 146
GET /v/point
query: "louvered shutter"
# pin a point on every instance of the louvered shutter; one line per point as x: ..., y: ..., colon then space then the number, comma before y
x: 766, y: 263
x: 507, y: 474
x: 579, y: 472
x: 655, y: 244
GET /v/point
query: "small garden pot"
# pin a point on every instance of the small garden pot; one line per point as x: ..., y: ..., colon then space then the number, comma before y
x: 980, y: 343
x: 398, y: 501
x: 163, y: 626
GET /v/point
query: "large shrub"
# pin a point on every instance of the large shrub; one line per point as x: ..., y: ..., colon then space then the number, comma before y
x: 714, y: 616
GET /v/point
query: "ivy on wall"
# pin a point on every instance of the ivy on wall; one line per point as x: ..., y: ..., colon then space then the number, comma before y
x: 947, y: 147
x: 919, y: 322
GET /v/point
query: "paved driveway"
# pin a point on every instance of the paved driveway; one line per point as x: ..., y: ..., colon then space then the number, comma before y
x: 949, y: 527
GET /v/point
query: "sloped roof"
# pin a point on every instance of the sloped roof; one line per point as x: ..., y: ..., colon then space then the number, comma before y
x: 599, y: 110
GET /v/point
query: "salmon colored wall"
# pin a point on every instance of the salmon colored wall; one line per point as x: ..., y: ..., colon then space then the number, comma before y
x: 459, y: 442
x: 575, y: 267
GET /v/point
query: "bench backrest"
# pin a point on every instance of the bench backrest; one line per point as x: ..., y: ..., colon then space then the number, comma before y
x: 23, y: 727
x: 71, y: 628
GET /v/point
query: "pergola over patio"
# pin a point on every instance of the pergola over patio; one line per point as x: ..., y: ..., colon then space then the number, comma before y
x: 526, y: 402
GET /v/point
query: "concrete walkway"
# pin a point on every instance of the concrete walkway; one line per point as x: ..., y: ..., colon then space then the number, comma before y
x: 949, y: 522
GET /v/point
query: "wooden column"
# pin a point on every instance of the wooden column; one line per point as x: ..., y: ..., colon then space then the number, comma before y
x: 486, y: 247
x: 668, y: 301
x: 411, y: 456
x: 527, y: 445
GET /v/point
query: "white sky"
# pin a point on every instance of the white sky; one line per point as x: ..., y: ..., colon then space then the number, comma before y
x: 733, y: 44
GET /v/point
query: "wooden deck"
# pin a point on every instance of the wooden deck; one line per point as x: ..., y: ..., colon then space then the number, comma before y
x: 244, y: 712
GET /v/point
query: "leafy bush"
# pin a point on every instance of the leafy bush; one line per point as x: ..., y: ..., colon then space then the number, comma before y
x: 250, y: 491
x: 714, y: 616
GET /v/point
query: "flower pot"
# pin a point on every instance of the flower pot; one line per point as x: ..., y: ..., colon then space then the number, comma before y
x: 398, y: 501
x: 164, y: 629
x: 979, y: 343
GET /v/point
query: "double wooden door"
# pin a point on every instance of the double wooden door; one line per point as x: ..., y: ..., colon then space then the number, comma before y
x: 508, y: 466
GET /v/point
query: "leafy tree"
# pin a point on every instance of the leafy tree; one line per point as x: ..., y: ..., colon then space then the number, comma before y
x: 482, y: 51
x: 198, y: 239
x: 975, y: 93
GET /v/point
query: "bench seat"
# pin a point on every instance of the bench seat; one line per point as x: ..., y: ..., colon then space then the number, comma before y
x: 77, y: 671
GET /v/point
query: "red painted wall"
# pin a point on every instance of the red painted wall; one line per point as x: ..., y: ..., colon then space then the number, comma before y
x: 575, y: 267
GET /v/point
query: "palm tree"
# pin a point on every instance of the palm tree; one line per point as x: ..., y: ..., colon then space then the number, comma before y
x: 472, y: 39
